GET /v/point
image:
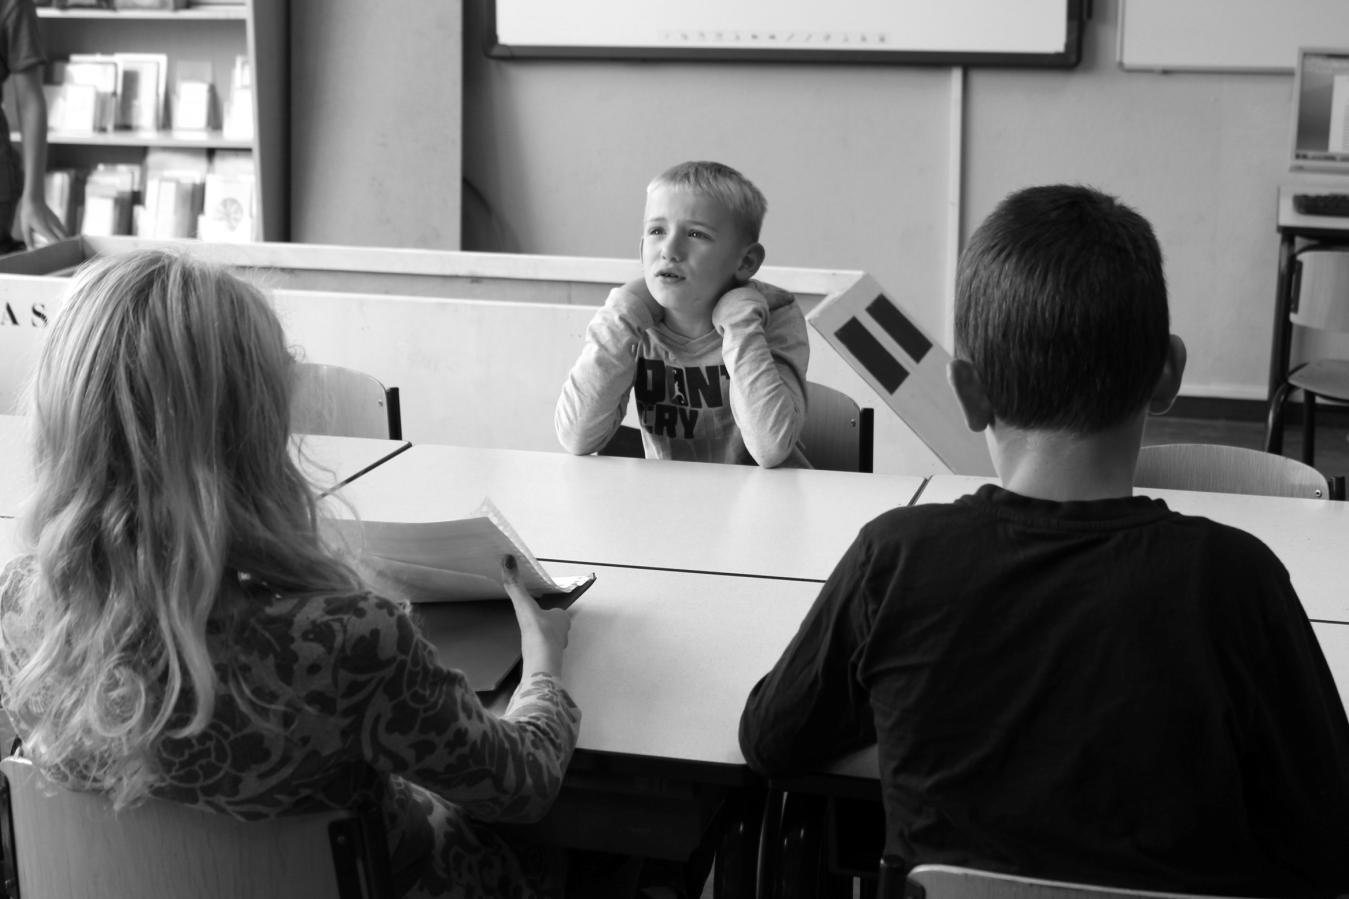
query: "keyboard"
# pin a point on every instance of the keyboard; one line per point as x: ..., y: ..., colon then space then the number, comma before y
x: 1321, y: 204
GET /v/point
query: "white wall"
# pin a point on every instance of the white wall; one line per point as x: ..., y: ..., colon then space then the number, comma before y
x: 1199, y: 154
x: 376, y: 127
x: 846, y: 155
x: 858, y: 163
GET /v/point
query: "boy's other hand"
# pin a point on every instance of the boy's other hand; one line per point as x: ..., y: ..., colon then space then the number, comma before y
x: 635, y: 299
x: 738, y: 306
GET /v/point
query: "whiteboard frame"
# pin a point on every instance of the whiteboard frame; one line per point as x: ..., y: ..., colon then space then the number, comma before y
x: 1078, y: 12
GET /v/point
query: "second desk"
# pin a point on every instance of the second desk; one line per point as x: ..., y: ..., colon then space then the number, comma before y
x: 639, y: 513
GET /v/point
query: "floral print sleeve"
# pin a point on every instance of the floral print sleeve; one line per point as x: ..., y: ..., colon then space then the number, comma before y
x: 368, y: 713
x: 420, y: 720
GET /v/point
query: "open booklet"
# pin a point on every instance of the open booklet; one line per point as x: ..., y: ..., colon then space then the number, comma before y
x: 448, y: 561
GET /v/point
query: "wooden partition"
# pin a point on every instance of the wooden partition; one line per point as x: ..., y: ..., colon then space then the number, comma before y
x: 477, y: 343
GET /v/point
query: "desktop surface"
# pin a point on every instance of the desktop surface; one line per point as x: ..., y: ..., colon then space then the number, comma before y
x: 693, y: 516
x: 661, y: 662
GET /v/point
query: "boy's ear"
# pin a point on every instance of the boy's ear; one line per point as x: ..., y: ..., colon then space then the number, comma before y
x: 969, y: 390
x: 750, y: 261
x: 1168, y: 382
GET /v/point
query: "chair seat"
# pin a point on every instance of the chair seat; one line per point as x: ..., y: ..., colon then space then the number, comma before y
x: 1327, y: 378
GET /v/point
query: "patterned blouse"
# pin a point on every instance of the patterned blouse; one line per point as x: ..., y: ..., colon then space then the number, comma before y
x: 378, y: 719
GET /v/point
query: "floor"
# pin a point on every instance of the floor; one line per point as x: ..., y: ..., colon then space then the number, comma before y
x: 1332, y: 437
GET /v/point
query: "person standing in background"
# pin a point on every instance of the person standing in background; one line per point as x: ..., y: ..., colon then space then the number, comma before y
x: 25, y: 218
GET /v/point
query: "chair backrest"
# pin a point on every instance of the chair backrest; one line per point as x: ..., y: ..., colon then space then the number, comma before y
x: 950, y: 882
x: 1321, y: 289
x: 343, y: 402
x: 1227, y: 469
x: 72, y: 845
x: 838, y: 435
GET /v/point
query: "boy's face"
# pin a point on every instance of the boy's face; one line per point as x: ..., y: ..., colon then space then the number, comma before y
x: 692, y: 249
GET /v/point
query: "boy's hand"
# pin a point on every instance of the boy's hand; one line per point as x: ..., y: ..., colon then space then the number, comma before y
x: 635, y: 301
x: 738, y: 306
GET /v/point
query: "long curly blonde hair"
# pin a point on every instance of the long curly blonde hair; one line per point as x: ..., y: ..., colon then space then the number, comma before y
x: 165, y: 497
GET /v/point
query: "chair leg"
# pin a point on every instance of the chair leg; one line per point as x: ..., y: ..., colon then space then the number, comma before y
x: 1274, y: 421
x: 736, y: 872
x: 770, y: 836
x: 801, y: 868
x: 1308, y: 426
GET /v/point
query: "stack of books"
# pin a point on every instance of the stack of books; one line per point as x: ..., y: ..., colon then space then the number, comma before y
x: 175, y: 193
x: 103, y: 91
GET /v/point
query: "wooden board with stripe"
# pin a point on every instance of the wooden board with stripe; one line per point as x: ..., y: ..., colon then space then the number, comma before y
x: 905, y: 367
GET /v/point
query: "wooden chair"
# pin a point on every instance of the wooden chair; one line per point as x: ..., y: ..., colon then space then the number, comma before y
x: 838, y: 434
x: 65, y: 844
x: 950, y: 882
x: 343, y: 402
x: 1230, y: 469
x: 1319, y: 302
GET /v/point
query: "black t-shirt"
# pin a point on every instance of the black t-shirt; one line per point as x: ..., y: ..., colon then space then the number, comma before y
x: 1102, y: 691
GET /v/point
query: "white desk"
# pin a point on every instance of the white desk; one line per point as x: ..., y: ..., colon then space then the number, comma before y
x: 327, y: 461
x: 728, y: 519
x: 661, y: 662
x: 333, y: 461
x: 1310, y: 537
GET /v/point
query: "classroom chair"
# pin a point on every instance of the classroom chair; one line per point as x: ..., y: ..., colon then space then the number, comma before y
x: 818, y: 846
x: 951, y: 882
x: 838, y: 434
x: 64, y: 844
x: 1230, y: 469
x: 1319, y: 303
x: 343, y: 402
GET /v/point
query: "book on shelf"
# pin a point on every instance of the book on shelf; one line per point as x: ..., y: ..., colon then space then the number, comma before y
x: 193, y: 98
x: 64, y: 189
x: 149, y: 4
x: 72, y: 107
x: 99, y: 70
x: 237, y: 123
x: 109, y: 195
x: 174, y: 187
x: 141, y: 82
x: 448, y: 561
x: 229, y: 206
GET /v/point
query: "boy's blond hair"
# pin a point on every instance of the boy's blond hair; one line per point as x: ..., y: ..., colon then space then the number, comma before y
x: 724, y: 184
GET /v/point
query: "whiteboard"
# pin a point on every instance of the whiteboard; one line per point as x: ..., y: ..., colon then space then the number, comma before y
x: 1227, y: 35
x: 990, y: 32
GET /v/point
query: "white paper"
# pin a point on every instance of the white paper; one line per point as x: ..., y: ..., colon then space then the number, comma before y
x: 446, y: 561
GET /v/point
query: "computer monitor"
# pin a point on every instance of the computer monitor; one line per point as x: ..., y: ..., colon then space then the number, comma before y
x: 1321, y: 110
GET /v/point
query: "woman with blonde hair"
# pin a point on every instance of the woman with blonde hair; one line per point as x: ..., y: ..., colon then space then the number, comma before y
x: 178, y: 627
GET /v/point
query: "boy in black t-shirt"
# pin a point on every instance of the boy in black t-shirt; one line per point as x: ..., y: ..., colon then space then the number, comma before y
x: 1065, y: 680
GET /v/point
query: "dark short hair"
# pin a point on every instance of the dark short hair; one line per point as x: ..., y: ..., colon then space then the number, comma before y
x: 1061, y: 307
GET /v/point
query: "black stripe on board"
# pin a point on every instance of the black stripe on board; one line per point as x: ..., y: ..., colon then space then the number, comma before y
x: 900, y: 329
x: 867, y: 350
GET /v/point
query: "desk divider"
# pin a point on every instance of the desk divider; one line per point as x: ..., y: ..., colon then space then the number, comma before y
x: 477, y: 343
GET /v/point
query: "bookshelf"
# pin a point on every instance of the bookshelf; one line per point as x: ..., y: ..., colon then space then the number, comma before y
x: 204, y: 35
